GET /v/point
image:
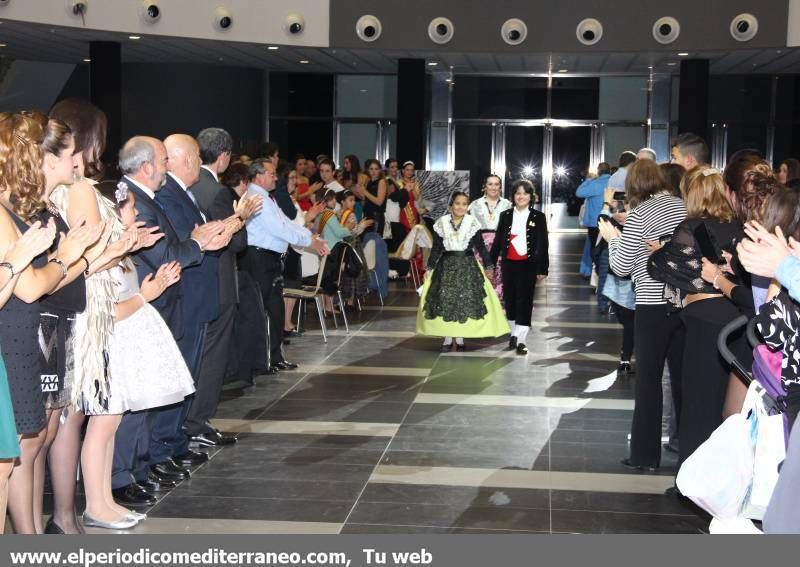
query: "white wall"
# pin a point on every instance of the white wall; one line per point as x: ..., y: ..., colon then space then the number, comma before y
x: 793, y: 32
x: 256, y: 21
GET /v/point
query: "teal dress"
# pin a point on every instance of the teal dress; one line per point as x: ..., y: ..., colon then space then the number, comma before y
x: 9, y: 446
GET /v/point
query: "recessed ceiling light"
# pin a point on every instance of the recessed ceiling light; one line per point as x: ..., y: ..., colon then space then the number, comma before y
x: 87, y: 60
x: 562, y: 70
x: 273, y: 47
x: 3, y: 45
x: 672, y: 63
x: 363, y: 90
x: 304, y: 61
x: 432, y: 63
x: 134, y: 37
x: 683, y: 54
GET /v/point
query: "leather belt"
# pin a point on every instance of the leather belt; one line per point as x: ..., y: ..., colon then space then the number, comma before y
x: 271, y: 252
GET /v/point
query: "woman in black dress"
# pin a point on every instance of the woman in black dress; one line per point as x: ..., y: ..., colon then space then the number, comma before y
x: 28, y: 150
x: 375, y: 196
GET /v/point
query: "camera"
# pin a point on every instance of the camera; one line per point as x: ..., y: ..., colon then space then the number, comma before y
x: 295, y: 24
x: 589, y: 31
x: 151, y: 11
x: 514, y: 31
x: 77, y: 7
x: 223, y: 19
x: 368, y: 28
x: 744, y: 27
x: 441, y: 30
x: 666, y: 30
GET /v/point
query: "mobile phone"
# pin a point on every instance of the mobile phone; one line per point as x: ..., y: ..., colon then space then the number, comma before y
x: 709, y: 248
x: 619, y: 195
x: 612, y: 220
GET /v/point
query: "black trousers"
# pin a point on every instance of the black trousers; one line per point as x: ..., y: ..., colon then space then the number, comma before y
x: 266, y: 268
x: 626, y: 318
x: 519, y: 284
x: 704, y: 382
x: 213, y: 366
x: 592, y: 232
x: 659, y: 336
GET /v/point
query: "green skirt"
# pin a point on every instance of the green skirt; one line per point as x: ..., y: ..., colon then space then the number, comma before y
x: 9, y: 446
x: 441, y: 316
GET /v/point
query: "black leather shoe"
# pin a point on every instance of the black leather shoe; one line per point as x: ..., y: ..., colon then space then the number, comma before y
x: 166, y: 472
x: 190, y: 459
x: 512, y: 343
x: 213, y: 439
x: 287, y: 342
x: 155, y: 483
x: 286, y: 365
x: 460, y: 347
x: 522, y: 349
x: 292, y: 334
x: 52, y: 528
x: 172, y: 465
x: 644, y: 468
x: 132, y: 496
x: 271, y: 371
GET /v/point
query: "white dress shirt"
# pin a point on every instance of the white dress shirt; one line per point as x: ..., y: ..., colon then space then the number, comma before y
x: 191, y: 196
x: 519, y: 229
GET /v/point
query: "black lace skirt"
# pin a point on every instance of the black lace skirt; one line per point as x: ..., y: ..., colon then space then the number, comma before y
x: 456, y: 291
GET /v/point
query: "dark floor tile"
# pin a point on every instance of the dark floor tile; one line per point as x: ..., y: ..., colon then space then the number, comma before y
x: 657, y: 504
x: 282, y: 489
x: 251, y: 509
x: 357, y: 387
x: 456, y: 458
x: 251, y: 467
x: 266, y: 441
x: 366, y: 411
x: 396, y: 529
x: 620, y: 523
x: 478, y: 417
x: 300, y: 456
x: 464, y: 496
x: 451, y: 516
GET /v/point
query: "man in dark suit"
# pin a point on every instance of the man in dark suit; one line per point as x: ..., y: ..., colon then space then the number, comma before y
x: 216, y: 202
x: 145, y: 436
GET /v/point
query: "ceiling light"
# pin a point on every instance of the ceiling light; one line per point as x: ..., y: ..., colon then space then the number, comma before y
x: 273, y: 48
x: 432, y: 63
x: 134, y: 37
x: 562, y: 70
x: 683, y: 54
x: 672, y: 63
x: 560, y: 171
x: 3, y: 45
x: 527, y: 170
x: 304, y: 61
x: 87, y: 60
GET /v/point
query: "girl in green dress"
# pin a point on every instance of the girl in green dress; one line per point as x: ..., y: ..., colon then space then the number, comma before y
x: 458, y: 301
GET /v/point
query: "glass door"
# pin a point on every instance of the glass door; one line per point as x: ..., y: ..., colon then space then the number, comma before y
x: 523, y: 157
x: 571, y: 158
x: 473, y: 152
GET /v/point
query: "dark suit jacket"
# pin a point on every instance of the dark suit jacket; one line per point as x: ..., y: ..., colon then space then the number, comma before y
x: 536, y: 233
x: 284, y: 200
x: 216, y: 202
x: 201, y: 282
x: 170, y: 248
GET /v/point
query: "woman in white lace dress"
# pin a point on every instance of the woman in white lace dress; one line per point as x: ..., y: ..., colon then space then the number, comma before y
x: 487, y: 211
x: 146, y: 370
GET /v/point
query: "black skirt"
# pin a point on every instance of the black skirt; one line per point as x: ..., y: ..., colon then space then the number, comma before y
x: 456, y: 293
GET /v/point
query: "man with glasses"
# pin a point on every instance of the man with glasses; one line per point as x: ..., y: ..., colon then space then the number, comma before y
x: 269, y: 234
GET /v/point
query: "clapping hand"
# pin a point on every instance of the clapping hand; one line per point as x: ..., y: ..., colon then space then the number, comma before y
x: 246, y: 207
x: 94, y: 251
x: 764, y: 251
x: 607, y: 230
x: 314, y: 211
x: 653, y: 246
x: 320, y: 246
x: 204, y: 233
x: 33, y: 242
x: 72, y: 245
x: 147, y: 237
x: 167, y: 275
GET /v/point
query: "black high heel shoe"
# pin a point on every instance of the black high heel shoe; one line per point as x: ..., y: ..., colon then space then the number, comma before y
x: 52, y: 528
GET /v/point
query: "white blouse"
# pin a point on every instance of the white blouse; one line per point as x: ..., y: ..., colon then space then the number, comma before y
x: 519, y: 231
x: 486, y: 214
x: 456, y: 240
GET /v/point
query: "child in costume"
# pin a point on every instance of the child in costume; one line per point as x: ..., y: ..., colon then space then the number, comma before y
x: 457, y: 298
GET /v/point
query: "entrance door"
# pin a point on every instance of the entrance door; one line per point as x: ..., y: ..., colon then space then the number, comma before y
x: 571, y: 158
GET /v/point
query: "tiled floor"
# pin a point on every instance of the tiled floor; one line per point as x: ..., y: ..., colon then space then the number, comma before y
x: 377, y: 432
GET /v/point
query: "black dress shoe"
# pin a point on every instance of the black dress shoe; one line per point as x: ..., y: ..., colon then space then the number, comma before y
x: 155, y: 483
x: 52, y: 528
x: 522, y: 349
x: 271, y: 371
x: 213, y: 439
x: 512, y: 343
x: 287, y: 342
x: 190, y: 458
x: 132, y: 496
x: 460, y: 347
x: 167, y: 472
x: 627, y: 463
x: 286, y: 365
x: 292, y: 334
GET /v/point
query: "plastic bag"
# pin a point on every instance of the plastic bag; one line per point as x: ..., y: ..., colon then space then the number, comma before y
x: 718, y: 474
x: 770, y: 451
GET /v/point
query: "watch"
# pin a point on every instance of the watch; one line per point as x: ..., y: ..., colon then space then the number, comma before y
x: 10, y: 267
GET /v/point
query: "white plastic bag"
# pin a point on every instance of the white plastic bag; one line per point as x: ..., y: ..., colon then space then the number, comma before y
x: 718, y: 474
x: 770, y: 451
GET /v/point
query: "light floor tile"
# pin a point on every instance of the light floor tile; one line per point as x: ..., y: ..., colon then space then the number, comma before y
x: 359, y: 370
x: 307, y: 427
x: 502, y: 478
x: 222, y: 526
x: 526, y: 401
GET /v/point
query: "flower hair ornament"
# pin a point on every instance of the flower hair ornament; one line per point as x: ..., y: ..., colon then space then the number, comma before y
x: 121, y: 194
